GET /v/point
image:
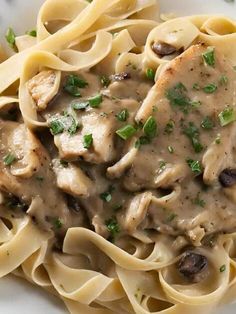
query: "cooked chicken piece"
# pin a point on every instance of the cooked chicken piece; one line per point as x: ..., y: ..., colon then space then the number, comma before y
x: 72, y: 180
x: 43, y: 87
x: 31, y: 181
x: 102, y: 149
x: 136, y: 211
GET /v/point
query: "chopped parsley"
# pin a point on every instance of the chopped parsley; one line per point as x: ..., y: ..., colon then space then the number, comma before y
x: 9, y: 159
x: 198, y: 201
x: 57, y: 222
x: 73, y: 83
x: 150, y: 73
x: 196, y: 86
x: 162, y: 165
x: 150, y: 127
x: 95, y: 101
x: 171, y: 217
x: 218, y: 139
x: 209, y: 57
x: 143, y: 140
x: 80, y: 105
x: 105, y: 81
x: 107, y: 195
x: 224, y: 80
x: 113, y: 227
x: 222, y: 268
x: 123, y: 115
x: 210, y: 88
x: 207, y: 123
x: 32, y: 33
x: 126, y: 132
x: 87, y: 141
x: 195, y: 166
x: 170, y: 149
x: 61, y: 123
x: 227, y: 116
x: 178, y: 98
x: 169, y: 127
x: 11, y: 38
x: 192, y: 133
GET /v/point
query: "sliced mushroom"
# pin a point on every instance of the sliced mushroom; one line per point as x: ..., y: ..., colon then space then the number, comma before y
x: 191, y: 264
x: 163, y: 49
x: 227, y: 177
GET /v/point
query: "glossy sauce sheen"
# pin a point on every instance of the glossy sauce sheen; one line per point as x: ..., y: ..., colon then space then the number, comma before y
x: 141, y: 184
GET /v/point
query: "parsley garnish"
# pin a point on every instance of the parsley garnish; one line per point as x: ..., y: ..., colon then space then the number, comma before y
x: 95, y: 101
x: 123, y: 115
x: 207, y: 123
x: 171, y: 217
x: 126, y: 132
x: 198, y: 201
x: 150, y: 127
x: 227, y: 116
x: 57, y: 223
x: 80, y: 105
x: 196, y: 86
x: 193, y: 134
x: 61, y: 123
x: 112, y: 227
x: 9, y: 159
x: 150, y: 73
x: 218, y: 139
x: 209, y: 89
x: 107, y: 195
x: 105, y: 81
x: 195, y: 166
x: 222, y: 268
x: 32, y: 33
x: 162, y: 165
x: 177, y: 96
x: 209, y: 57
x: 224, y: 80
x: 11, y: 38
x: 143, y: 140
x: 87, y: 141
x: 170, y: 149
x: 169, y: 127
x: 73, y: 83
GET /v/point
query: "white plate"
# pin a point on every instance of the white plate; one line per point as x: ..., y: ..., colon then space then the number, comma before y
x: 16, y: 296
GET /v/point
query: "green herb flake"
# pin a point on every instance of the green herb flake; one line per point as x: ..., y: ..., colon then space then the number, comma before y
x: 195, y: 104
x: 57, y: 222
x: 123, y: 115
x: 218, y: 139
x: 113, y: 227
x: 56, y: 127
x: 87, y: 141
x: 224, y: 80
x: 170, y: 149
x: 209, y: 89
x: 192, y: 133
x: 32, y: 33
x: 195, y: 166
x: 11, y: 37
x: 143, y: 140
x: 196, y: 86
x: 126, y: 132
x: 162, y: 165
x: 198, y: 201
x: 80, y: 105
x: 117, y: 207
x: 171, y: 217
x: 150, y: 73
x: 207, y: 123
x: 105, y: 81
x: 150, y: 127
x: 9, y: 159
x: 74, y: 125
x: 222, y: 268
x: 227, y: 116
x: 209, y: 57
x: 169, y: 127
x: 178, y: 98
x: 95, y: 101
x: 73, y: 83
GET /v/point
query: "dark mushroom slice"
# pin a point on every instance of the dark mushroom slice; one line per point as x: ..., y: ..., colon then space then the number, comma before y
x: 163, y: 49
x: 227, y: 177
x: 121, y: 76
x: 191, y: 265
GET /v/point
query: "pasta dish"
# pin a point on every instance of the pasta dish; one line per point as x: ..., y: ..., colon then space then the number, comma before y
x: 118, y: 158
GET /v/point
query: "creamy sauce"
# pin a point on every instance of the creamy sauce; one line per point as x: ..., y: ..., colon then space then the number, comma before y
x: 163, y: 177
